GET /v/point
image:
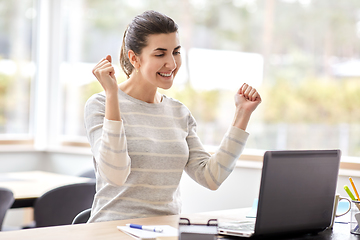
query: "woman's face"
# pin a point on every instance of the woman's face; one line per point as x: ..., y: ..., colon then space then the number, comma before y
x: 160, y: 60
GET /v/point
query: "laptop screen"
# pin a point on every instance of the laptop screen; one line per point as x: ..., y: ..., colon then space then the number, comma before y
x: 297, y: 191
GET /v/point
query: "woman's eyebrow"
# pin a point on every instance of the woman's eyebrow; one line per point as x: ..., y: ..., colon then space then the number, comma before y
x: 164, y: 49
x: 160, y: 49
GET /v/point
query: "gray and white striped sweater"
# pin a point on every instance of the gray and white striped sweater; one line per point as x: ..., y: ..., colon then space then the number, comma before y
x: 140, y: 159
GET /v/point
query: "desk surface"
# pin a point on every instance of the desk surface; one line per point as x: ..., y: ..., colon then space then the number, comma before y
x: 108, y: 230
x: 27, y: 186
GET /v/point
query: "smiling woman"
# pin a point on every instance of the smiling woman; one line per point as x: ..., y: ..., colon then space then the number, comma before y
x: 142, y: 140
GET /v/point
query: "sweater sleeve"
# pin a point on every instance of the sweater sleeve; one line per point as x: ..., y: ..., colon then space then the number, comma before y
x: 211, y: 170
x: 108, y: 142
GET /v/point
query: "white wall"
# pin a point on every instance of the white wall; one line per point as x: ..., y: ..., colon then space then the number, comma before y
x: 238, y: 190
x: 21, y: 161
x: 57, y: 162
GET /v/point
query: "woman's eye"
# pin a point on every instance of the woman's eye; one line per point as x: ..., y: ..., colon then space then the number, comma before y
x: 176, y: 53
x: 159, y: 55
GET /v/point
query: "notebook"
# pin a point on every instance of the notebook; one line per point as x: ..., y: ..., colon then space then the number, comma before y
x: 296, y: 194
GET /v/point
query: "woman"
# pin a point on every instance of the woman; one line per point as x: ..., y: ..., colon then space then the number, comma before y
x: 142, y: 140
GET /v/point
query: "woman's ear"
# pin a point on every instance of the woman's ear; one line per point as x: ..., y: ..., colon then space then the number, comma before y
x: 134, y: 59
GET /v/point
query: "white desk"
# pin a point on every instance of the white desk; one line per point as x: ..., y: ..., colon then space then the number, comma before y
x: 108, y: 230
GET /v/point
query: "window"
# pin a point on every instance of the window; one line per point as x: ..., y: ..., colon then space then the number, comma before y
x: 17, y: 67
x: 302, y: 55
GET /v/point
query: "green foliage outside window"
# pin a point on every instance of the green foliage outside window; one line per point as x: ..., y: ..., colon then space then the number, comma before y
x: 4, y: 86
x: 312, y: 101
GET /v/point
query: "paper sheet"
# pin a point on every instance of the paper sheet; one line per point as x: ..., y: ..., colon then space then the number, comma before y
x: 168, y: 231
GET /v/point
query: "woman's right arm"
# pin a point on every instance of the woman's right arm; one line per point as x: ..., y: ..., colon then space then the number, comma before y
x: 105, y: 74
x: 105, y: 128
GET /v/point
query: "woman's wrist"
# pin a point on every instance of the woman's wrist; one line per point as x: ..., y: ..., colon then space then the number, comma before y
x: 112, y: 111
x: 113, y: 92
x: 241, y: 118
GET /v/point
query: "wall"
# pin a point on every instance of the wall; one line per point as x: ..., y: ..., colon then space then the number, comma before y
x: 13, y: 161
x: 238, y: 190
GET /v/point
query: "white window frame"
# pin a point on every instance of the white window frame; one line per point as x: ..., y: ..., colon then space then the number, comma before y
x: 46, y: 93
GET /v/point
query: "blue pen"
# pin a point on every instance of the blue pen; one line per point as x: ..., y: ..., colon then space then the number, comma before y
x: 147, y: 228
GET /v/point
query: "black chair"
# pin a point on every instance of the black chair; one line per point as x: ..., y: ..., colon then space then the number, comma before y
x: 6, y: 200
x: 82, y: 217
x: 60, y: 205
x: 89, y: 174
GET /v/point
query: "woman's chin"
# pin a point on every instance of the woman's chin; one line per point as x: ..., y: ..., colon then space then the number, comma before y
x: 166, y: 86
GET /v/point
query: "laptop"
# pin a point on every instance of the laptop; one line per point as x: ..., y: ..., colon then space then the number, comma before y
x: 297, y: 191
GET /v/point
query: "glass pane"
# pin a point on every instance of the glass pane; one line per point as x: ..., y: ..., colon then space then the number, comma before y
x: 91, y: 31
x: 16, y: 66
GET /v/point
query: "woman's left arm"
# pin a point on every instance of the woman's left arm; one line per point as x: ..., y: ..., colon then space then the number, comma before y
x: 211, y: 170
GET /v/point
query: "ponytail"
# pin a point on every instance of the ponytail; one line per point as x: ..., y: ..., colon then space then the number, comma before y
x: 125, y: 63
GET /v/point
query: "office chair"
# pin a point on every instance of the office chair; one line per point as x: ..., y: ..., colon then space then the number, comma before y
x: 82, y: 217
x: 6, y: 200
x: 60, y: 205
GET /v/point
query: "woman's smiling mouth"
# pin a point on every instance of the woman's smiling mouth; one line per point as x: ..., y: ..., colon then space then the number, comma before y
x: 165, y: 74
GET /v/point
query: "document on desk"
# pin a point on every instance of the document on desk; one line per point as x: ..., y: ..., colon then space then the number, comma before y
x: 168, y: 231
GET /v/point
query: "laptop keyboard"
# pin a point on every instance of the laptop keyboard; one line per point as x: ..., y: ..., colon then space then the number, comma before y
x: 245, y: 226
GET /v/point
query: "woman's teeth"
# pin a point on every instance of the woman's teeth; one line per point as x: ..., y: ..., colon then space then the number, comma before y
x: 165, y: 74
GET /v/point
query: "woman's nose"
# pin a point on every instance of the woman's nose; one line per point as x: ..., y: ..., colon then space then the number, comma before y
x: 171, y: 63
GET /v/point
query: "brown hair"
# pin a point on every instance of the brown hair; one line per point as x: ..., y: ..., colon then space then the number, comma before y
x: 137, y: 32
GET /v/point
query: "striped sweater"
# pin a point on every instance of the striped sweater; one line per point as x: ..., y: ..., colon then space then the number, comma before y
x: 140, y: 159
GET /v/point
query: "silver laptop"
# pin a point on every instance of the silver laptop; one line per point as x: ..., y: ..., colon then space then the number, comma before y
x: 296, y: 195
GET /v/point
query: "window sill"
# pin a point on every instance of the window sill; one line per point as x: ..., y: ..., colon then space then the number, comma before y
x: 12, y: 148
x: 72, y: 149
x: 349, y: 166
x: 66, y: 149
